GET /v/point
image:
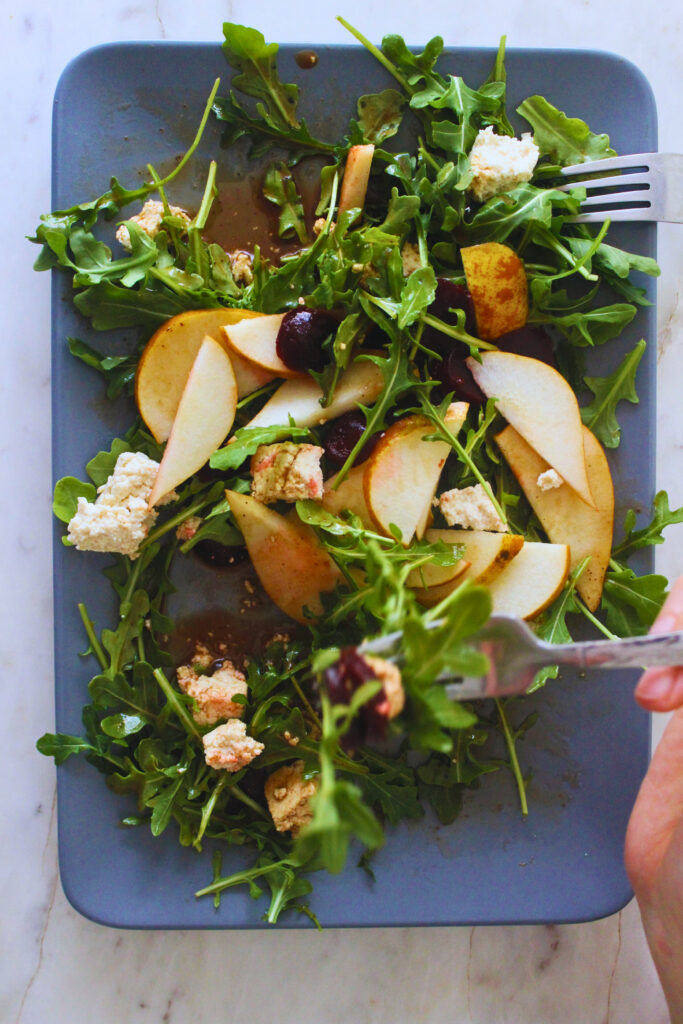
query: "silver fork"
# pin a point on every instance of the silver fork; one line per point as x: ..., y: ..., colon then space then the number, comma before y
x: 654, y: 188
x: 515, y: 655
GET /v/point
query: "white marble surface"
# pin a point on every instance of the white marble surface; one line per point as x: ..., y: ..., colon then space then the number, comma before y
x: 57, y: 967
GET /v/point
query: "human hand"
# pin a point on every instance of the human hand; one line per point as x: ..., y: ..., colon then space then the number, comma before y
x: 654, y: 839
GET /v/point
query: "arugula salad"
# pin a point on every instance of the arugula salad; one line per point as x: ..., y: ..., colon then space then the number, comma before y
x: 390, y: 423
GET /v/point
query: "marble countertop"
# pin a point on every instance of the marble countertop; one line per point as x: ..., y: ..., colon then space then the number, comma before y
x: 55, y: 965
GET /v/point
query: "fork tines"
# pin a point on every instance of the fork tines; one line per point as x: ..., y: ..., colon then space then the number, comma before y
x: 652, y: 190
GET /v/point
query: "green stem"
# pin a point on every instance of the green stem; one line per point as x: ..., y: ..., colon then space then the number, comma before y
x: 248, y: 802
x: 179, y: 708
x: 197, y: 139
x: 94, y: 642
x: 207, y: 810
x: 453, y: 332
x: 514, y: 763
x: 241, y: 878
x: 596, y: 622
x: 305, y: 701
x: 391, y: 68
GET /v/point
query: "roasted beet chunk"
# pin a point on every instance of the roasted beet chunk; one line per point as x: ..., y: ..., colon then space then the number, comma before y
x: 299, y: 340
x: 529, y: 340
x: 455, y: 376
x: 450, y: 295
x: 341, y: 682
x: 343, y: 435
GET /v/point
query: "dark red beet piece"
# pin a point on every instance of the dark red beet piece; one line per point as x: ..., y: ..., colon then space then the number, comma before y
x: 529, y: 340
x: 450, y: 295
x: 343, y: 435
x: 341, y: 682
x: 455, y: 376
x: 299, y: 340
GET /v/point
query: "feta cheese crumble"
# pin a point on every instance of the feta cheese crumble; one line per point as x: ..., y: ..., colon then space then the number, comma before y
x: 410, y: 258
x: 213, y: 694
x: 149, y: 220
x: 549, y: 480
x: 228, y: 748
x: 288, y: 795
x: 188, y: 528
x: 500, y: 162
x: 118, y: 520
x: 287, y: 472
x: 471, y: 508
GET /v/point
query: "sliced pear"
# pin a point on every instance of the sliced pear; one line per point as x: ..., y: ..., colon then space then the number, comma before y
x: 256, y: 341
x: 434, y: 577
x: 167, y: 359
x: 488, y: 553
x: 290, y: 562
x: 349, y: 495
x: 485, y: 556
x: 497, y: 282
x: 532, y: 580
x: 539, y: 403
x: 356, y: 176
x: 361, y: 383
x: 205, y: 415
x: 564, y: 517
x: 403, y: 473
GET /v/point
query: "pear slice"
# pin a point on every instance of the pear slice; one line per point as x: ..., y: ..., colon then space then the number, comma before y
x: 403, y: 473
x: 361, y: 383
x: 436, y: 577
x: 488, y: 553
x: 539, y: 403
x: 167, y: 359
x: 356, y: 176
x: 485, y: 556
x: 205, y: 415
x: 349, y: 495
x: 564, y: 517
x: 532, y: 580
x: 256, y: 341
x: 497, y: 282
x: 290, y: 562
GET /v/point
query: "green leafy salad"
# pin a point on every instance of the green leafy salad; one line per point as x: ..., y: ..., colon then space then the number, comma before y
x: 391, y: 420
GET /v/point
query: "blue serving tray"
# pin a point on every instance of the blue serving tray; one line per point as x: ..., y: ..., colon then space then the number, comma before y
x: 118, y: 107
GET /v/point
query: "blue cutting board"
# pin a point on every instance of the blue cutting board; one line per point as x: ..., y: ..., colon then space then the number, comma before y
x: 119, y: 106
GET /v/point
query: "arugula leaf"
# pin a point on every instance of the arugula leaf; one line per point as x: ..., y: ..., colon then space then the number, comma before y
x: 246, y: 50
x: 662, y: 516
x: 246, y: 440
x: 617, y: 261
x: 102, y: 465
x: 592, y: 327
x: 380, y: 114
x: 524, y: 205
x: 280, y: 188
x: 61, y: 746
x: 631, y: 603
x: 67, y: 492
x: 600, y: 415
x: 118, y: 371
x: 109, y: 306
x: 566, y: 140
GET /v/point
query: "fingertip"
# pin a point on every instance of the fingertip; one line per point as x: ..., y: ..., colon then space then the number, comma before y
x: 660, y: 689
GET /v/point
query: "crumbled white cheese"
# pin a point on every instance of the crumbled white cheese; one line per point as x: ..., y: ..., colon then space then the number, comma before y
x: 213, y: 695
x: 288, y: 795
x: 241, y: 264
x: 228, y: 747
x: 390, y: 678
x: 319, y: 225
x: 471, y: 508
x: 287, y: 472
x: 549, y: 480
x: 149, y: 220
x: 188, y: 528
x: 118, y: 520
x: 500, y: 162
x: 410, y: 258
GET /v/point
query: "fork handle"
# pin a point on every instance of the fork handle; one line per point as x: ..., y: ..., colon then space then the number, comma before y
x: 638, y: 652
